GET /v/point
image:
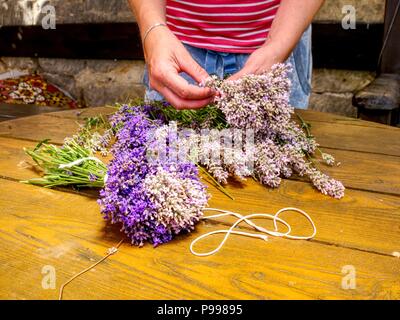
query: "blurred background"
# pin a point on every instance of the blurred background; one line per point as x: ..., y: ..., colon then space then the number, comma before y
x: 92, y: 56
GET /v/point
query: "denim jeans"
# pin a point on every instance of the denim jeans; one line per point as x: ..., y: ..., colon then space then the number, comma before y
x: 222, y: 63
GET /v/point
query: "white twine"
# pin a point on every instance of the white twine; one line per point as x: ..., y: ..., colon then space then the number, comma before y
x: 78, y: 162
x: 246, y: 219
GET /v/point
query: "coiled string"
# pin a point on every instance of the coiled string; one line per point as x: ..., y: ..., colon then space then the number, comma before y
x: 264, y: 232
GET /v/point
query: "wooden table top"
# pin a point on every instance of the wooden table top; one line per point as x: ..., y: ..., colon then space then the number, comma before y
x: 64, y: 229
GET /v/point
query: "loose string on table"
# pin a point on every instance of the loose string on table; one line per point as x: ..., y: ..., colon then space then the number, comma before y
x: 110, y: 252
x: 263, y: 235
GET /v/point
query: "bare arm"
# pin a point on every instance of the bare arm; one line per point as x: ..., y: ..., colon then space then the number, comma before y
x: 291, y: 20
x: 147, y: 13
x: 166, y: 57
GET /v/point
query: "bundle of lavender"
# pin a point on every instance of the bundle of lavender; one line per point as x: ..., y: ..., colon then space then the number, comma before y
x: 69, y: 165
x: 152, y: 187
x: 153, y: 199
x: 74, y: 163
x: 261, y: 103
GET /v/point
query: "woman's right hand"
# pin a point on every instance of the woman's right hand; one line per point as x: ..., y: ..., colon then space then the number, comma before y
x: 166, y: 57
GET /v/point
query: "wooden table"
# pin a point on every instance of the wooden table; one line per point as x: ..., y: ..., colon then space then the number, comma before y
x: 64, y: 230
x: 14, y: 111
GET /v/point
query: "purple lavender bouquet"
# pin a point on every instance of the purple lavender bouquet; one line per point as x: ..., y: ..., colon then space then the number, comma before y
x: 152, y: 199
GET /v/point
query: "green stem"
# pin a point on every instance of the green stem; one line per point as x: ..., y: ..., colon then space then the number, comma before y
x: 218, y: 185
x: 304, y: 125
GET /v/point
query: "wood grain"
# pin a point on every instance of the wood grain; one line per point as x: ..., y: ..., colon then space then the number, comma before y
x: 369, y: 209
x: 357, y: 138
x: 64, y: 231
x: 365, y: 171
x: 40, y: 127
x: 81, y: 114
x: 380, y: 94
x: 12, y: 111
x: 361, y: 220
x: 334, y: 217
x: 316, y: 116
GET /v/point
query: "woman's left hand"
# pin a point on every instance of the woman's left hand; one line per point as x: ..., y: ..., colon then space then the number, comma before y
x: 260, y: 61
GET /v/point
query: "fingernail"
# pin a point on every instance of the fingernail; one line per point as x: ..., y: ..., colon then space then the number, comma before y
x: 211, y: 91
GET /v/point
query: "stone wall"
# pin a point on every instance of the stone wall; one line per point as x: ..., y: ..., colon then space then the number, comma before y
x: 367, y: 11
x: 332, y: 90
x: 98, y: 82
x: 28, y: 12
x: 91, y: 82
x: 23, y: 12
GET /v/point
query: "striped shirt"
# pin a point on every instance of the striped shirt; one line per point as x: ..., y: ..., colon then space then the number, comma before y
x: 239, y: 26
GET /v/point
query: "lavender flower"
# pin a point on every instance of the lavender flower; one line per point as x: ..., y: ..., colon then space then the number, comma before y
x: 260, y: 102
x: 321, y: 181
x: 328, y: 159
x: 178, y: 201
x: 326, y: 185
x: 213, y: 149
x: 92, y: 177
x: 269, y: 164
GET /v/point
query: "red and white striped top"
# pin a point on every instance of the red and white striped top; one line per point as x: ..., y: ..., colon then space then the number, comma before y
x: 239, y: 26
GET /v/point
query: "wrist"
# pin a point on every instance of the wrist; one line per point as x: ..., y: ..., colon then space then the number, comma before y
x: 276, y: 51
x: 157, y: 42
x: 156, y: 36
x: 151, y: 28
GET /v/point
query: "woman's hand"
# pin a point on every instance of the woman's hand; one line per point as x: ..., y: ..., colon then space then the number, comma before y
x: 166, y: 57
x: 289, y: 24
x: 260, y: 61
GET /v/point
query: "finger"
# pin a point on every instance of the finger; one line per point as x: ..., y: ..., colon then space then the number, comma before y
x: 192, y: 68
x: 183, y: 89
x: 239, y: 74
x: 179, y: 103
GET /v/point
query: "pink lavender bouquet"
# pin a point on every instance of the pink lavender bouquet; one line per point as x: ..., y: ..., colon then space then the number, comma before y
x: 261, y: 103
